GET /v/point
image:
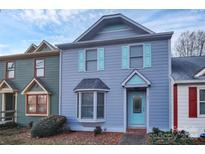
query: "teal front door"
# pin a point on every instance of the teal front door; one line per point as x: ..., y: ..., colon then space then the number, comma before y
x: 136, y: 109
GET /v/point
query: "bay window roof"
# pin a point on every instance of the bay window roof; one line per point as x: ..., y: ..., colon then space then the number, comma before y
x: 91, y: 84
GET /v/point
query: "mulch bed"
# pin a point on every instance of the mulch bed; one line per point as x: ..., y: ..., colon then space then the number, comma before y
x: 71, y: 138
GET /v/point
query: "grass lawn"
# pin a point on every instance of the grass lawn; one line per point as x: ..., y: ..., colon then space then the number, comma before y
x: 22, y: 136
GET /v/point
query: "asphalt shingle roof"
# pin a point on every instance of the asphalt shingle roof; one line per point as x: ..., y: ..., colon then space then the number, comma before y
x: 185, y: 68
x: 91, y: 83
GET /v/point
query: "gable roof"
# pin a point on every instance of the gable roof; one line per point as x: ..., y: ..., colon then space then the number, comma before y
x: 31, y: 48
x: 108, y: 18
x: 186, y: 68
x: 9, y: 84
x: 44, y: 42
x: 144, y: 81
x: 91, y: 84
x: 39, y: 83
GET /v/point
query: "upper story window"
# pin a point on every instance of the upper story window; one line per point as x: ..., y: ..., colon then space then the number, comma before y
x: 39, y: 68
x: 202, y: 101
x: 91, y: 60
x: 10, y: 70
x: 136, y: 56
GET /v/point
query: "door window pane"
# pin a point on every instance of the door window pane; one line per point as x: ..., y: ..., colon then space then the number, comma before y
x: 87, y: 105
x: 137, y: 104
x: 100, y: 105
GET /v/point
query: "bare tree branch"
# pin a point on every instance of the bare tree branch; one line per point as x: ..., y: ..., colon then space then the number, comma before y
x: 191, y: 43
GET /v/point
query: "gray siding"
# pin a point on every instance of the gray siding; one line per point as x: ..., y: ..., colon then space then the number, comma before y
x: 113, y: 76
x: 24, y: 74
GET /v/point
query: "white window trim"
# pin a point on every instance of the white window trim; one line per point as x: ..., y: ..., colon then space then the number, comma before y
x: 136, y: 44
x: 94, y: 119
x: 198, y: 102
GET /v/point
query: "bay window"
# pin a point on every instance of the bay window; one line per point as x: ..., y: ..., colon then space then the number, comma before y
x: 90, y: 105
x: 37, y: 104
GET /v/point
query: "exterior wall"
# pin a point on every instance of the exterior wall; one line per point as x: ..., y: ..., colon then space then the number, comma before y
x: 24, y: 73
x: 115, y: 34
x: 113, y: 76
x: 194, y: 126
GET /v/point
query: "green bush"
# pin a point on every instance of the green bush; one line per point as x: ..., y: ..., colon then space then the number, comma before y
x: 169, y: 137
x: 98, y: 130
x: 8, y: 125
x: 48, y: 126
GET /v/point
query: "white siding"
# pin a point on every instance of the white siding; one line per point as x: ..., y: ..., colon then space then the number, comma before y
x: 195, y: 126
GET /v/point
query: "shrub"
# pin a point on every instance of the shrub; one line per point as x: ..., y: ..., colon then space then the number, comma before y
x: 169, y: 137
x: 30, y: 124
x: 48, y: 126
x: 98, y: 130
x: 8, y: 125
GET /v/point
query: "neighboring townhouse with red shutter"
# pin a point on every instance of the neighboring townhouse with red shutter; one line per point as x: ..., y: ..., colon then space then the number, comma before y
x: 188, y: 77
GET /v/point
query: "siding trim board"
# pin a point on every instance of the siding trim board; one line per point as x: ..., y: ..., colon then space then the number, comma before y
x: 175, y: 106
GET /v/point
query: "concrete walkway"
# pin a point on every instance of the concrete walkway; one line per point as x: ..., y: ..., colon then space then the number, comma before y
x: 132, y: 139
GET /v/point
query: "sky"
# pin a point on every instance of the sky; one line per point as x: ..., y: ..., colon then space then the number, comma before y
x: 20, y: 28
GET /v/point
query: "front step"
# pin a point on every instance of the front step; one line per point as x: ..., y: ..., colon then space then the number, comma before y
x: 137, y: 131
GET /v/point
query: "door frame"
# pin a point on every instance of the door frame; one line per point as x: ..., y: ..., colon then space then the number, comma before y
x: 146, y: 110
x: 3, y: 105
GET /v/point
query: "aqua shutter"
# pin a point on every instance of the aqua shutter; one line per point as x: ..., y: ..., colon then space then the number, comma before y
x: 125, y: 57
x: 100, y: 59
x: 147, y: 55
x: 81, y: 61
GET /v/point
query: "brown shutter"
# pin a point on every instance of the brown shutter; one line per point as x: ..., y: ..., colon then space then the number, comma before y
x: 192, y: 102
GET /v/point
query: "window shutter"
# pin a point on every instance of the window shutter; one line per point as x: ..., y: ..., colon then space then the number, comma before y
x: 81, y: 61
x: 147, y: 55
x: 100, y: 59
x: 125, y: 57
x: 192, y: 102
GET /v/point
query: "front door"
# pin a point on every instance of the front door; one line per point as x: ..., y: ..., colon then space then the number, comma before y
x: 9, y: 106
x: 136, y: 109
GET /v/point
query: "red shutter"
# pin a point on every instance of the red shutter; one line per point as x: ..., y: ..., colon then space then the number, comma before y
x: 192, y: 102
x: 175, y: 107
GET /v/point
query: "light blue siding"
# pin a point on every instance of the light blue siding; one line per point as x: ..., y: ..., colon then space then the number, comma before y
x: 136, y: 80
x: 147, y: 55
x: 100, y: 59
x: 125, y: 57
x: 81, y: 61
x: 113, y: 76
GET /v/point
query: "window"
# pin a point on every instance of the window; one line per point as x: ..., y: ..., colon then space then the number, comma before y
x: 37, y: 104
x: 91, y: 60
x: 202, y: 101
x: 90, y: 105
x: 10, y: 70
x: 39, y: 68
x: 136, y: 56
x: 137, y: 104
